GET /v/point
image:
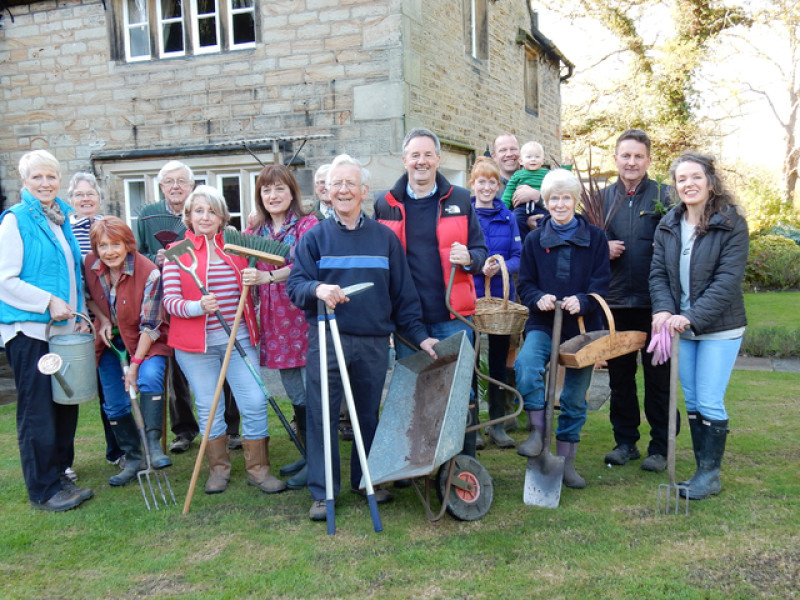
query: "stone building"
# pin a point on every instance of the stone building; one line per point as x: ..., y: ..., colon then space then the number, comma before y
x: 121, y: 86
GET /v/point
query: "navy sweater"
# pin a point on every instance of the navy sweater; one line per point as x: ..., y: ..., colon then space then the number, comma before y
x: 575, y: 267
x: 329, y: 253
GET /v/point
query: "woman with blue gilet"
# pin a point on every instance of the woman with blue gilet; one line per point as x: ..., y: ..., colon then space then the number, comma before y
x: 40, y: 280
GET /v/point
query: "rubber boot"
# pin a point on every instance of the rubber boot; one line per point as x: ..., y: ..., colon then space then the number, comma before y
x: 219, y: 465
x: 127, y: 435
x: 697, y: 442
x: 296, y: 466
x: 571, y: 478
x: 256, y: 459
x: 706, y: 481
x: 153, y: 414
x: 533, y: 446
x: 471, y: 437
x: 497, y: 433
x: 510, y: 400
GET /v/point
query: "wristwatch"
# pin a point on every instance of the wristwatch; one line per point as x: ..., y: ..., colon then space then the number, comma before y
x: 271, y: 277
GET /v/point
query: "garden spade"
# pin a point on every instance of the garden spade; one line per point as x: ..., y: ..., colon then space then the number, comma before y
x: 545, y: 472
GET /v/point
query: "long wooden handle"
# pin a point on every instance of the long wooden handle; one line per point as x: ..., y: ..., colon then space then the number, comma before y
x: 217, y: 392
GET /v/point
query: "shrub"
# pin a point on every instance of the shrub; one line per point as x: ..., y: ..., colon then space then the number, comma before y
x: 771, y: 341
x: 787, y: 231
x: 772, y: 264
x: 765, y: 206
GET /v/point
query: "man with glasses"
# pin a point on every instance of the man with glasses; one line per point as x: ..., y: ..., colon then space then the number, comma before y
x: 341, y: 251
x: 437, y: 227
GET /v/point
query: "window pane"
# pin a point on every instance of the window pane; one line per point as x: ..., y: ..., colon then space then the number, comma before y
x: 244, y: 30
x: 139, y: 41
x: 170, y: 9
x: 241, y: 4
x: 137, y: 11
x: 173, y: 37
x: 207, y: 31
x: 134, y: 201
x: 231, y: 191
x: 205, y: 7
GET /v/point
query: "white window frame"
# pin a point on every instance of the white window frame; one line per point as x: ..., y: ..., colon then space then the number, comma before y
x: 162, y: 21
x: 196, y: 17
x: 236, y: 11
x: 128, y: 27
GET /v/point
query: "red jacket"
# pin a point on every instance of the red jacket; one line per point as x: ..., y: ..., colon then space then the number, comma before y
x: 129, y: 305
x: 189, y: 335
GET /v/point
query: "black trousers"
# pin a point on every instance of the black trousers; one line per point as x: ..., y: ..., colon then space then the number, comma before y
x: 45, y: 430
x: 625, y: 412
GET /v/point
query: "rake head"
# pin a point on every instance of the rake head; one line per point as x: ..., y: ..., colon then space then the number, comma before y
x: 147, y: 475
x: 670, y: 498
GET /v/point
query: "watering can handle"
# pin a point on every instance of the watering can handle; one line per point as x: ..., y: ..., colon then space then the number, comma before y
x: 77, y: 314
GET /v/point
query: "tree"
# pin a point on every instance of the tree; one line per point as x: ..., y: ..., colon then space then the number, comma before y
x: 778, y: 22
x: 654, y: 51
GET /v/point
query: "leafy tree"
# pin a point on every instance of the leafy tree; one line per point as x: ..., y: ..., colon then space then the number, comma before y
x: 660, y: 46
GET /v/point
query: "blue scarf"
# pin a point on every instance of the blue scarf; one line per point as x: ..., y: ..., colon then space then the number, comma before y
x: 566, y: 231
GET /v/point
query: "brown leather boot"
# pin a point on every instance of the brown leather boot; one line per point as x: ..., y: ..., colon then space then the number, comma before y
x: 219, y: 465
x: 256, y: 459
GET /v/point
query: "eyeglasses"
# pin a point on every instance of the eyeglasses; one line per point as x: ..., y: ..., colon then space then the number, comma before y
x: 350, y: 185
x: 172, y: 182
x: 85, y: 195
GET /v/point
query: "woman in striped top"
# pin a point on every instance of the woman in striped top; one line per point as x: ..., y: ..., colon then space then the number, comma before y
x: 200, y: 341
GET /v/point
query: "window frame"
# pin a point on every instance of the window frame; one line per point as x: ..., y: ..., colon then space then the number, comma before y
x: 532, y: 75
x: 231, y: 13
x: 128, y: 27
x: 196, y: 17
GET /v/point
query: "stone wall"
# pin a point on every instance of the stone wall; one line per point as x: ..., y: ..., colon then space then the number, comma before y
x: 363, y: 71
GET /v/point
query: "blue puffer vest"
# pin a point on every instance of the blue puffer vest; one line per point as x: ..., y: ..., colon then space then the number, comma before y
x: 44, y: 264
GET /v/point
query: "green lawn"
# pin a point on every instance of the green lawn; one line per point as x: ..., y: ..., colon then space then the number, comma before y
x: 602, y: 542
x: 773, y: 309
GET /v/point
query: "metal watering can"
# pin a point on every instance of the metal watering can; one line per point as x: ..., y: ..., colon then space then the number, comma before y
x: 71, y: 362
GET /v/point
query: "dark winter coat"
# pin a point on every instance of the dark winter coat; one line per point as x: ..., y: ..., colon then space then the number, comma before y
x: 576, y: 267
x: 502, y: 237
x: 717, y: 268
x: 634, y: 222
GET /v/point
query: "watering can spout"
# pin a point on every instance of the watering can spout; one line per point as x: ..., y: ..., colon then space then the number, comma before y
x: 50, y: 364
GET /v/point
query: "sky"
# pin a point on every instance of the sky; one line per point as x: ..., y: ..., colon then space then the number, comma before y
x: 751, y: 133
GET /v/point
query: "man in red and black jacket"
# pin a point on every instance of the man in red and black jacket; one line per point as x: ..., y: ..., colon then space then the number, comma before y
x: 437, y: 227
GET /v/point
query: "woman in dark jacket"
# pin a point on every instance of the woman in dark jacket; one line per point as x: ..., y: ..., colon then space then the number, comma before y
x: 563, y: 260
x: 696, y: 288
x: 502, y: 237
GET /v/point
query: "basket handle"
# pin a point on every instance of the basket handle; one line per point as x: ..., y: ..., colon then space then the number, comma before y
x: 487, y: 287
x: 606, y: 309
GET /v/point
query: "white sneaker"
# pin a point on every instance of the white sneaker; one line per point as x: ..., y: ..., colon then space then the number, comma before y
x: 70, y: 474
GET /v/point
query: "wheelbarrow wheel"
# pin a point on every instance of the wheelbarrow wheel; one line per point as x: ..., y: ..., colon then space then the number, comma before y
x: 470, y: 504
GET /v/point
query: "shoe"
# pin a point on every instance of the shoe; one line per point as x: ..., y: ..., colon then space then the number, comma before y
x: 83, y: 493
x: 70, y: 474
x: 346, y: 430
x: 60, y: 501
x: 621, y: 455
x: 120, y: 462
x: 498, y: 436
x: 318, y: 511
x: 655, y: 463
x: 181, y: 443
x: 234, y: 441
x: 381, y: 495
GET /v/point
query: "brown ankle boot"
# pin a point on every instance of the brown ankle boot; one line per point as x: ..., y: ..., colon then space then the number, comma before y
x: 256, y: 459
x: 219, y: 465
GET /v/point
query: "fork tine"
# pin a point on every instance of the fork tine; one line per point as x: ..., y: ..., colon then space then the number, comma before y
x: 141, y: 487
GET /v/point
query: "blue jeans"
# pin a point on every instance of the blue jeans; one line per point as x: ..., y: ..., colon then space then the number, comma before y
x: 440, y: 331
x: 117, y: 401
x: 202, y: 371
x: 294, y: 382
x: 530, y: 369
x: 713, y: 361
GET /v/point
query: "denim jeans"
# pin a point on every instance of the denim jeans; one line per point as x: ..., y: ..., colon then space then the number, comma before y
x: 149, y: 381
x: 440, y: 331
x: 202, y: 371
x: 530, y: 369
x: 294, y: 382
x: 713, y: 361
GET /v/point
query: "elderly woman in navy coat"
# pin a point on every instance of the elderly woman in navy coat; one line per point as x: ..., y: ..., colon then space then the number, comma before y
x: 563, y: 260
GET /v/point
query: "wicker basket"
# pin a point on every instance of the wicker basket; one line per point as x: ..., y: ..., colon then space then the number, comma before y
x: 499, y: 316
x: 592, y: 347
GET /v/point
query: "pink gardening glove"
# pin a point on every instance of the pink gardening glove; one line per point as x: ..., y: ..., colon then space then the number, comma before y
x: 660, y: 347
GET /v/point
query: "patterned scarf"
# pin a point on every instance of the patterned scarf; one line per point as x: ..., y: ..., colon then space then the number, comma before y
x: 286, y: 234
x: 54, y: 214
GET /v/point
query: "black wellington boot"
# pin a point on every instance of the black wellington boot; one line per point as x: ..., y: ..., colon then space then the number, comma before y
x: 300, y: 463
x: 698, y: 439
x: 706, y: 481
x: 153, y: 414
x: 497, y: 433
x: 127, y: 435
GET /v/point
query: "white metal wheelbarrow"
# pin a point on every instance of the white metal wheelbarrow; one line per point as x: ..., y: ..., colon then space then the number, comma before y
x: 421, y: 432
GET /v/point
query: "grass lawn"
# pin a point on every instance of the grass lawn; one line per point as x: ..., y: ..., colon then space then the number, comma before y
x: 773, y: 309
x: 602, y: 542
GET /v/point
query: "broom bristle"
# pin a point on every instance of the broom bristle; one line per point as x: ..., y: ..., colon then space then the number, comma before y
x: 255, y: 242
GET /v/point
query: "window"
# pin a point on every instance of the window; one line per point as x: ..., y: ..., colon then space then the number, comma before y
x: 531, y: 80
x: 181, y: 27
x: 476, y: 29
x: 205, y: 27
x: 232, y: 192
x: 137, y: 30
x: 170, y: 28
x: 135, y: 200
